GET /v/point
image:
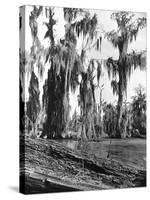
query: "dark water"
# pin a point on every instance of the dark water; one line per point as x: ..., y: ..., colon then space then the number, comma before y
x: 127, y: 151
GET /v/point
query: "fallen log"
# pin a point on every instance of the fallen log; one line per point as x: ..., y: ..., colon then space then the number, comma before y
x: 48, y: 166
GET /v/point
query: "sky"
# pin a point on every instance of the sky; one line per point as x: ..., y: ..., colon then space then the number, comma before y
x: 107, y: 50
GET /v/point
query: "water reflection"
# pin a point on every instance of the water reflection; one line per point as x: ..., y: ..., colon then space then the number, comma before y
x: 129, y: 151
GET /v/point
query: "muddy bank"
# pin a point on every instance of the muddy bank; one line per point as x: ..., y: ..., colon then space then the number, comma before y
x: 48, y: 166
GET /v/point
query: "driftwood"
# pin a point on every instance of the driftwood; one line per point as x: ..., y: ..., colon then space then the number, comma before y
x: 48, y: 166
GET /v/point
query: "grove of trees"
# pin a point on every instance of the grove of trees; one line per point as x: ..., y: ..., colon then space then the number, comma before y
x: 70, y: 69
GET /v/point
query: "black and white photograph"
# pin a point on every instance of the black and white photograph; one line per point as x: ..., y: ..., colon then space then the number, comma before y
x: 83, y: 99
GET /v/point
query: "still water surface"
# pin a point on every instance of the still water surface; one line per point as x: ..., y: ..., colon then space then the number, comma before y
x: 127, y: 151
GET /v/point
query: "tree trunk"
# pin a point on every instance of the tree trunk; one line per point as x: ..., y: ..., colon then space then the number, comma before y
x: 119, y: 107
x: 100, y: 113
x: 121, y: 87
x: 54, y: 94
x: 83, y: 129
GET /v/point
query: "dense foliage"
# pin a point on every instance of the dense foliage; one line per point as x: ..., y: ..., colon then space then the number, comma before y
x: 70, y: 69
x: 121, y: 69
